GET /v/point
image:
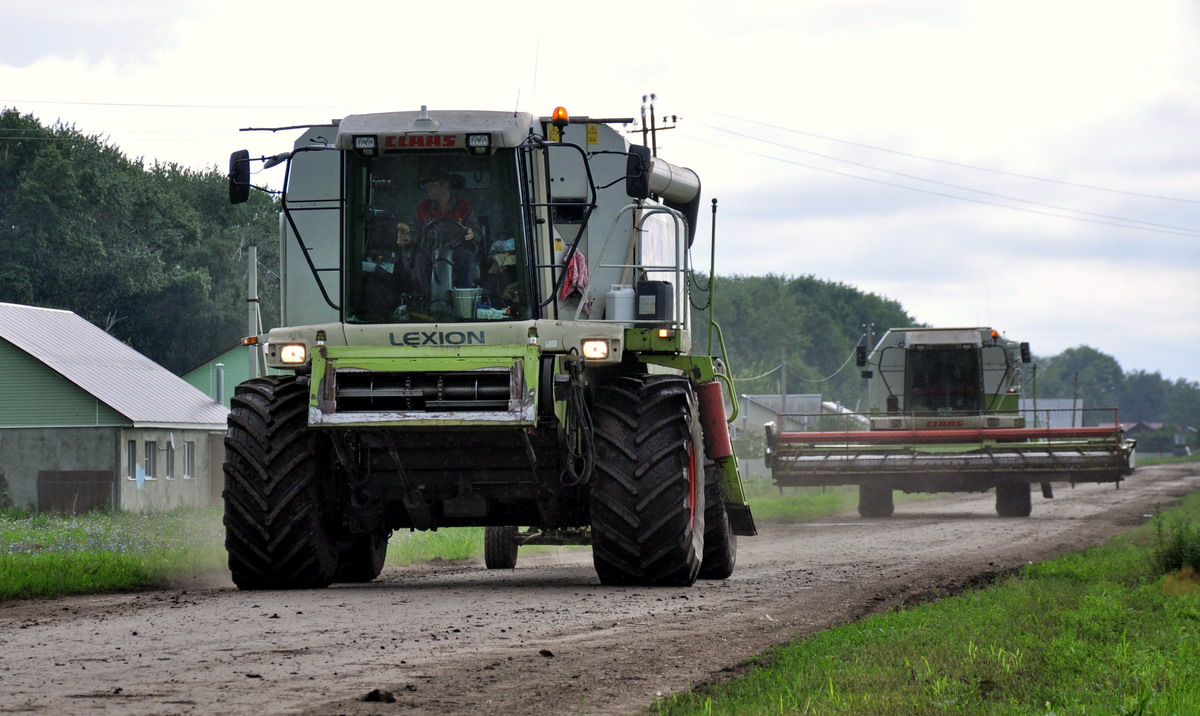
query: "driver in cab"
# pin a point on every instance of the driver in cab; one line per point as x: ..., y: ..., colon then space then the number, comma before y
x: 447, y: 225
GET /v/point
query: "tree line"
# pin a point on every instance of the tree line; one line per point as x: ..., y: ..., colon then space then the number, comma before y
x: 157, y: 256
x: 811, y: 327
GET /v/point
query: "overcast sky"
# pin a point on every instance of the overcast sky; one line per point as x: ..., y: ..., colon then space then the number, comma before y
x: 1032, y: 165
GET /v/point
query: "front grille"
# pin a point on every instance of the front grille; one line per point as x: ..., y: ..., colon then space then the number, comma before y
x: 372, y: 391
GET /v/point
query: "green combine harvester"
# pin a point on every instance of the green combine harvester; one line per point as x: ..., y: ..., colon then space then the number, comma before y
x: 943, y: 417
x: 485, y: 322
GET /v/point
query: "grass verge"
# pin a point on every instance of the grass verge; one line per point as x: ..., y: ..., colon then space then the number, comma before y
x: 48, y: 555
x: 1104, y: 631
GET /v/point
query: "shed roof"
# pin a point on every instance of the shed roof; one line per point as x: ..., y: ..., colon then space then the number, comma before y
x: 114, y: 373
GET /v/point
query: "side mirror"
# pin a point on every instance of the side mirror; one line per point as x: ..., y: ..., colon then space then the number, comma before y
x: 637, y: 172
x: 1026, y: 356
x: 239, y: 176
x: 860, y: 356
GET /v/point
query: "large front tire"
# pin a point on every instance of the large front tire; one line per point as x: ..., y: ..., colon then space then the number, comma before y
x: 647, y: 493
x: 276, y: 532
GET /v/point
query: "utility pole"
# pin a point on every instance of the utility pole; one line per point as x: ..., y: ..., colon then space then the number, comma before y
x: 650, y: 130
x: 253, y: 317
x: 782, y: 386
x: 868, y: 328
x: 1075, y: 400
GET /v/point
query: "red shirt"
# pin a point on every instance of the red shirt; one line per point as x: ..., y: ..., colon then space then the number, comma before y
x: 429, y: 210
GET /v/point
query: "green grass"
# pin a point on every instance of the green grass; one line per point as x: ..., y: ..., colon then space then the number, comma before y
x: 800, y: 504
x: 47, y: 555
x: 771, y: 504
x: 1168, y: 460
x: 446, y: 544
x: 1098, y: 632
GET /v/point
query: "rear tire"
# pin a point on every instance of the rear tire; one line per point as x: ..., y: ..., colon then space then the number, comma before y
x: 720, y: 543
x: 362, y: 560
x: 500, y: 547
x: 875, y: 501
x: 647, y: 492
x: 276, y: 475
x: 1014, y: 500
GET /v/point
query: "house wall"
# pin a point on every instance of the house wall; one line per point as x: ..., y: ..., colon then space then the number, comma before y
x: 141, y: 488
x: 26, y: 451
x: 757, y: 410
x: 35, y: 395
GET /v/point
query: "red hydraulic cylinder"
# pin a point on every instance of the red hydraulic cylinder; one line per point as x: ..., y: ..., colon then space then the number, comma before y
x: 713, y: 421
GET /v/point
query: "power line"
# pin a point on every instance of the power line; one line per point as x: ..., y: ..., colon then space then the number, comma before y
x: 1185, y: 232
x: 951, y: 185
x: 839, y: 370
x: 953, y: 163
x: 761, y: 375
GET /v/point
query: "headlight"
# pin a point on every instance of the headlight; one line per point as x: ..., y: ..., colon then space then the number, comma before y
x: 365, y: 145
x: 479, y: 143
x: 293, y: 353
x: 595, y: 349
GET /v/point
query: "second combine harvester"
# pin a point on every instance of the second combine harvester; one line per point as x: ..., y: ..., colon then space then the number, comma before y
x: 486, y: 322
x: 944, y: 417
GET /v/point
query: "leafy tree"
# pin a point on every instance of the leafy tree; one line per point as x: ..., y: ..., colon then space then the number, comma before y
x: 1084, y: 373
x: 814, y: 324
x: 1183, y: 404
x: 153, y: 256
x: 1144, y: 397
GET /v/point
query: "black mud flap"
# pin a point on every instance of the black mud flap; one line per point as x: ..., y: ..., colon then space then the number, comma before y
x: 740, y: 520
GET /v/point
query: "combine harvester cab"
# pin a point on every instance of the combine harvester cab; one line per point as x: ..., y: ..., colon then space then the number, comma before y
x: 944, y: 417
x: 485, y: 322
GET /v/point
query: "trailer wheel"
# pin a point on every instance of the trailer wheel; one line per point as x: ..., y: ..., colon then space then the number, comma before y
x: 362, y: 560
x: 1014, y: 500
x: 500, y: 547
x: 720, y: 543
x: 647, y: 493
x: 276, y: 531
x: 875, y: 501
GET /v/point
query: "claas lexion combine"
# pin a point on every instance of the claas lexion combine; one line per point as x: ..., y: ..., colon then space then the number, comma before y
x: 943, y: 417
x: 485, y: 322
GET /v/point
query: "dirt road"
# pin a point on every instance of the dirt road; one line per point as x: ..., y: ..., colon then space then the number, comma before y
x: 545, y: 638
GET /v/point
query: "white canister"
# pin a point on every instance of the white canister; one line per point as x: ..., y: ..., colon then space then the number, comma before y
x: 619, y: 303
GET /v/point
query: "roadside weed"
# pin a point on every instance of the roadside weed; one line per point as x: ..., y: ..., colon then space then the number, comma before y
x: 1176, y: 545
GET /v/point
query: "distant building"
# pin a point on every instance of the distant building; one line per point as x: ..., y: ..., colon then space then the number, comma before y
x: 1053, y: 412
x: 799, y: 410
x: 89, y: 422
x: 218, y: 376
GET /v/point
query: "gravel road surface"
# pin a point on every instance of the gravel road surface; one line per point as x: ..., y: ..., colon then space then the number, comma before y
x: 544, y: 638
